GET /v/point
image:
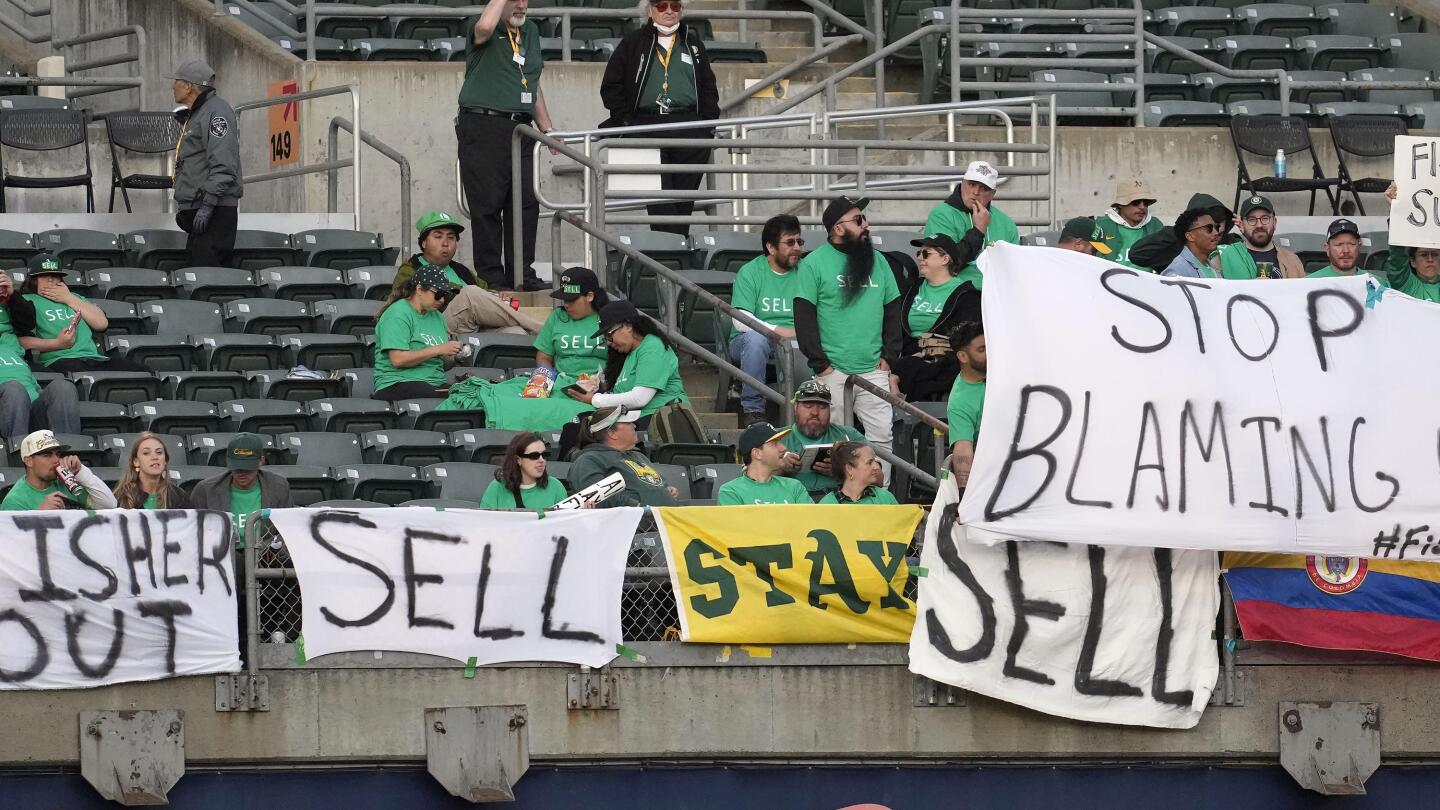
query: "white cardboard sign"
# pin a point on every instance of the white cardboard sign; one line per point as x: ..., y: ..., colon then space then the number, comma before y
x: 1415, y: 215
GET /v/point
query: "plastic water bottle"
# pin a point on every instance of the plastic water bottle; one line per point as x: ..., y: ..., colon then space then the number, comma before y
x: 1280, y: 162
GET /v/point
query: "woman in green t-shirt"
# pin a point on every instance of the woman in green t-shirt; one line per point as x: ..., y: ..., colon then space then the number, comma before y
x: 412, y: 342
x: 522, y: 482
x: 937, y: 302
x: 642, y: 371
x: 146, y: 484
x: 861, y: 477
x: 65, y: 325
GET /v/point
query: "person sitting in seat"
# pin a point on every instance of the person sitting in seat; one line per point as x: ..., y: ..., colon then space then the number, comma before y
x: 570, y: 342
x: 608, y: 445
x: 762, y: 452
x: 42, y: 487
x: 474, y: 308
x: 22, y: 404
x: 860, y: 475
x: 522, y: 482
x: 938, y: 301
x: 412, y: 342
x: 146, y: 483
x: 642, y: 372
x: 810, y: 418
x: 64, y: 325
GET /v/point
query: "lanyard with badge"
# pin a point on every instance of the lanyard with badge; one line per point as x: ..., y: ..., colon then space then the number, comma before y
x: 663, y: 101
x: 516, y: 35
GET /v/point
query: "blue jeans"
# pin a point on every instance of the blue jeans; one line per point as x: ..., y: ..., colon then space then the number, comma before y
x: 57, y: 408
x: 752, y: 351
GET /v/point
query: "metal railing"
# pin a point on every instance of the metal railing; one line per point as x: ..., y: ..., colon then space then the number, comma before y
x: 17, y: 27
x: 940, y: 427
x: 352, y: 162
x: 332, y: 193
x: 137, y: 57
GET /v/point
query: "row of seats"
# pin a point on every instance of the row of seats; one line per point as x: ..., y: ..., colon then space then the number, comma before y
x: 452, y: 49
x: 1173, y: 113
x: 224, y: 285
x: 81, y: 249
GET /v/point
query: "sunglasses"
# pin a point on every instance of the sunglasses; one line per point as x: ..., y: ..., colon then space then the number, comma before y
x: 666, y: 6
x: 609, y: 333
x: 796, y: 242
x: 858, y: 219
x: 531, y: 456
x: 925, y: 253
x: 1211, y: 228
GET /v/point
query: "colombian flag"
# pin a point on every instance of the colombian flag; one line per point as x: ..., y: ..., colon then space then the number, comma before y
x: 1338, y: 603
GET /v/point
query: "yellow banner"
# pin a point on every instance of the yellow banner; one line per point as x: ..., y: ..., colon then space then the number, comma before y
x: 790, y: 574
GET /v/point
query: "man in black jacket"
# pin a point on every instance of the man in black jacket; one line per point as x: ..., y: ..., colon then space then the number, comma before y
x: 1156, y: 251
x: 661, y: 74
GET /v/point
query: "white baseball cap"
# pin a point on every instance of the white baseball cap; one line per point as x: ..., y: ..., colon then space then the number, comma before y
x: 982, y: 172
x: 39, y: 442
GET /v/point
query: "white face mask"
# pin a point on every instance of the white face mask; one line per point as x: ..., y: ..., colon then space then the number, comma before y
x: 667, y: 30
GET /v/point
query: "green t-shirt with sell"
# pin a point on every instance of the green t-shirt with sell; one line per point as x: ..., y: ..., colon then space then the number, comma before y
x: 536, y: 497
x: 24, y: 498
x: 1120, y: 236
x: 872, y: 495
x: 851, y: 333
x: 796, y: 442
x: 51, y: 318
x: 492, y: 76
x: 654, y: 366
x: 955, y: 223
x: 243, y: 503
x: 401, y: 327
x: 966, y: 406
x: 746, y: 491
x: 1328, y: 271
x: 764, y: 293
x: 680, y: 78
x: 573, y: 344
x: 12, y: 358
x: 1401, y: 276
x: 929, y: 303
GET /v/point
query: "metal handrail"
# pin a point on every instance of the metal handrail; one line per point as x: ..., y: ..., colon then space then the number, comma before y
x: 18, y: 29
x: 332, y: 188
x: 852, y: 381
x: 138, y: 57
x: 353, y: 162
x: 283, y: 27
x: 788, y: 70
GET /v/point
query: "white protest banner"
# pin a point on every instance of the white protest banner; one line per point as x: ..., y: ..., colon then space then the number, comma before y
x: 115, y: 596
x: 1108, y: 635
x: 1123, y: 408
x: 1415, y: 215
x: 493, y: 586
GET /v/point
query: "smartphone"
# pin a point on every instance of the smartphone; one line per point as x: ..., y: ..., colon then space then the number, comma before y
x: 74, y: 321
x: 575, y: 389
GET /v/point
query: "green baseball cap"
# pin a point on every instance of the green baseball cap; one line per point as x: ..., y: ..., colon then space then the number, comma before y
x: 244, y: 452
x: 437, y: 219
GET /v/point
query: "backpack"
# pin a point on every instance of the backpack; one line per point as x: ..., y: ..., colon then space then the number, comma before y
x: 676, y: 423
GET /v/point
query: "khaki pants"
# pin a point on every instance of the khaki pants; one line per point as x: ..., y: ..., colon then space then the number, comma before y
x: 876, y: 415
x: 477, y: 310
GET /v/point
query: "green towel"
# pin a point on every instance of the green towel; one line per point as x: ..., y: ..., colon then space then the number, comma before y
x: 505, y: 409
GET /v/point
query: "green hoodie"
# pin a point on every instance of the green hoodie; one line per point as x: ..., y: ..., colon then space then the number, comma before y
x: 644, y: 486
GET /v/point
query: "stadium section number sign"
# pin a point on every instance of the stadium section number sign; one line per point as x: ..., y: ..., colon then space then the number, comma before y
x: 284, y: 125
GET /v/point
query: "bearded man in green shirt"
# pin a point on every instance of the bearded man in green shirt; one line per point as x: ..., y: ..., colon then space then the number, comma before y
x: 966, y: 404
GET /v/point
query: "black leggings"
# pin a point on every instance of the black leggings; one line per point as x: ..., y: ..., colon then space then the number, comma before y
x: 70, y: 365
x: 408, y: 390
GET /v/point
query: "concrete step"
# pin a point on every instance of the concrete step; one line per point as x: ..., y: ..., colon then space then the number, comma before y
x: 862, y: 101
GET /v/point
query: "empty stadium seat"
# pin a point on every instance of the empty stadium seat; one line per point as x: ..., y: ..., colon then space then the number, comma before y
x: 691, y: 455
x: 350, y: 503
x: 82, y: 445
x: 1310, y: 247
x: 727, y: 251
x: 266, y: 316
x: 430, y: 28
x: 1419, y: 51
x: 345, y: 316
x: 117, y: 446
x: 500, y: 350
x: 676, y: 476
x: 16, y: 249
x: 1313, y: 97
x: 230, y: 352
x: 159, y: 353
x: 272, y: 416
x: 1184, y: 114
x: 351, y: 415
x: 133, y: 285
x: 1369, y: 138
x: 1267, y: 107
x: 122, y: 387
x: 1280, y: 19
x: 121, y: 316
x: 387, y: 483
x: 156, y: 249
x: 277, y: 384
x: 303, y: 284
x: 1255, y: 52
x: 1424, y: 114
x: 1198, y: 21
x: 706, y: 479
x: 186, y: 476
x: 257, y: 250
x: 319, y: 448
x: 180, y: 317
x: 45, y: 130
x: 416, y: 448
x: 210, y: 448
x: 359, y: 382
x: 1342, y: 52
x: 369, y: 282
x: 323, y: 352
x: 447, y: 49
x: 1163, y: 61
x: 99, y: 418
x: 392, y: 50
x: 1397, y: 96
x: 1360, y: 19
x: 80, y: 249
x: 141, y: 133
x: 216, y: 285
x: 308, y: 484
x: 459, y: 480
x: 1159, y: 87
x: 178, y: 418
x: 1358, y: 108
x: 203, y: 386
x: 482, y: 445
x: 341, y: 249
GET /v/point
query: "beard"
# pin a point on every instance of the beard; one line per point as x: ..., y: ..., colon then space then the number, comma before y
x: 517, y: 19
x: 1262, y: 239
x: 859, y: 262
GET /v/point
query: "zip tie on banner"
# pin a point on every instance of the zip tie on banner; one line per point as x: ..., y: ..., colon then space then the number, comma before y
x: 633, y: 655
x: 265, y: 513
x: 470, y: 667
x: 920, y: 570
x: 300, y: 649
x: 1373, y: 293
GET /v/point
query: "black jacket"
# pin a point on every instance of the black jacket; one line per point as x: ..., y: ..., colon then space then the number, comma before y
x: 963, y: 303
x: 1159, y: 249
x: 632, y: 61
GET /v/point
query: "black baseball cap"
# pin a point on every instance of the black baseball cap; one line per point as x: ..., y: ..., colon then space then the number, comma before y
x: 615, y: 313
x: 838, y: 208
x: 1256, y: 201
x: 1340, y: 226
x: 575, y: 282
x: 942, y: 242
x: 758, y: 435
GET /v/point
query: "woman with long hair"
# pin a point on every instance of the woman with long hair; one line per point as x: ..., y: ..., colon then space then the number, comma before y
x: 412, y: 342
x: 146, y: 484
x: 522, y: 482
x: 860, y: 475
x: 642, y: 371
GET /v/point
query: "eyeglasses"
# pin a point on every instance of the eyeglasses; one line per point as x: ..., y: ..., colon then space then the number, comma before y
x: 1427, y: 255
x: 1260, y: 220
x: 858, y: 219
x: 796, y: 242
x: 664, y: 6
x: 1209, y: 228
x: 531, y: 456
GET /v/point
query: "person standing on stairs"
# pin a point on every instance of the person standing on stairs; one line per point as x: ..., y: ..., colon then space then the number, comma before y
x: 207, y: 174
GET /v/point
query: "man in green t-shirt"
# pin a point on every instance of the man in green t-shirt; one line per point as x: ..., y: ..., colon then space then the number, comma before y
x: 501, y: 90
x: 243, y: 489
x: 849, y: 318
x: 762, y: 452
x: 473, y: 308
x: 765, y: 289
x: 1082, y: 235
x: 1128, y: 219
x: 43, y: 486
x: 1342, y: 247
x: 811, y: 425
x: 968, y: 206
x: 1256, y: 255
x: 967, y: 398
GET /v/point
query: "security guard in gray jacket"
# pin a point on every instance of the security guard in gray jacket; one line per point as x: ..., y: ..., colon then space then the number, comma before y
x: 207, y: 166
